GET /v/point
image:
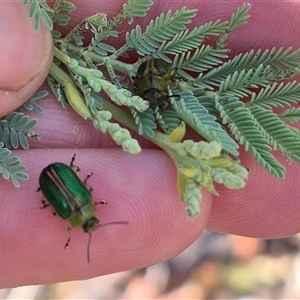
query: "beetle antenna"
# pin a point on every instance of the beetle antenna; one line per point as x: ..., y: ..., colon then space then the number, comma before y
x: 69, y: 238
x: 88, y: 248
x: 101, y: 225
x: 111, y: 223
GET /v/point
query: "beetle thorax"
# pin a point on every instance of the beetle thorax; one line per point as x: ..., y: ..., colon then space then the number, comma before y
x: 83, y: 215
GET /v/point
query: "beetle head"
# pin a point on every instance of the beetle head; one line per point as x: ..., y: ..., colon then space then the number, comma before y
x: 90, y: 225
x: 152, y: 95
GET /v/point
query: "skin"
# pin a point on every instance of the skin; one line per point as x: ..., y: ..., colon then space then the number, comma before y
x: 139, y: 189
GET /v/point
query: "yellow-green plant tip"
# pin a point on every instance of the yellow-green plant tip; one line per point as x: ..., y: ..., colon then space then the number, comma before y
x: 202, y: 150
x: 119, y: 136
x: 190, y: 172
x: 114, y: 127
x: 193, y: 201
x: 181, y: 185
x: 178, y: 133
x: 139, y: 103
x: 191, y: 213
x: 105, y: 115
x: 241, y: 171
x: 234, y: 182
x: 212, y: 149
x: 97, y: 74
x: 101, y: 125
x: 73, y: 63
x: 131, y: 146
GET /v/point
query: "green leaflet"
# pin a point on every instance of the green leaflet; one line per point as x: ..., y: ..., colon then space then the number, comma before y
x: 191, y: 110
x: 164, y: 27
x: 186, y: 40
x: 145, y: 121
x: 11, y: 167
x: 243, y: 126
x: 204, y: 58
x: 274, y: 61
x: 277, y: 95
x: 290, y: 115
x: 135, y: 8
x: 278, y: 134
x: 31, y: 104
x: 14, y: 130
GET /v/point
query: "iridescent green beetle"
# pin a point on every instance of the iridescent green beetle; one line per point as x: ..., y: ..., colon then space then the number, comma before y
x: 153, y: 79
x: 70, y: 198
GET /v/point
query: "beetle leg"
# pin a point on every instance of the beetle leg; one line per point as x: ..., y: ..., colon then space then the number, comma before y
x: 72, y: 160
x: 177, y: 97
x: 101, y: 202
x: 69, y: 238
x: 76, y: 169
x: 85, y: 182
x: 45, y: 203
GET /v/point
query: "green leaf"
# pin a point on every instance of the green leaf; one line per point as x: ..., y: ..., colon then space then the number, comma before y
x: 197, y: 117
x: 273, y: 60
x: 186, y: 40
x: 240, y: 17
x: 68, y: 6
x: 290, y: 115
x: 46, y: 19
x: 279, y: 135
x: 204, y: 58
x: 243, y: 126
x: 39, y: 10
x: 31, y: 104
x: 136, y: 8
x: 164, y: 27
x: 277, y: 95
x: 170, y: 119
x: 14, y: 127
x: 11, y: 167
x: 145, y: 121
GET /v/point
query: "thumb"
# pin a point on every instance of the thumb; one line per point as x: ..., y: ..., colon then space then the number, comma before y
x: 25, y: 56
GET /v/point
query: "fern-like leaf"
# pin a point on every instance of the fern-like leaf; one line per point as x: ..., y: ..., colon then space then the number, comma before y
x: 277, y: 95
x: 170, y: 119
x: 135, y: 8
x: 204, y: 58
x: 290, y: 115
x: 145, y: 121
x: 11, y: 167
x: 273, y: 58
x: 31, y: 104
x: 164, y: 27
x: 240, y: 83
x: 279, y: 135
x: 187, y: 40
x: 15, y: 128
x: 59, y: 15
x: 244, y: 128
x: 39, y: 11
x: 238, y: 19
x: 197, y: 117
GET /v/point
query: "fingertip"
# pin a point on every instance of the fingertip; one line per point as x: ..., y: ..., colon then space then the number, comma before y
x: 140, y: 190
x: 25, y: 57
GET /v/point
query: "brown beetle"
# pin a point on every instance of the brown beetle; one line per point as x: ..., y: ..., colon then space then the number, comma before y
x: 152, y: 80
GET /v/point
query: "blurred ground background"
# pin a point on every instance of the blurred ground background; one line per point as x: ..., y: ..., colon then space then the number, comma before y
x: 216, y: 266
